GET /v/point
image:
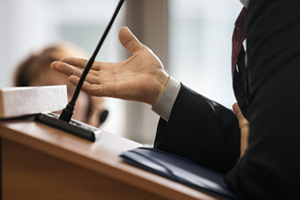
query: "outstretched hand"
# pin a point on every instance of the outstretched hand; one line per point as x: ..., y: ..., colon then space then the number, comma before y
x: 244, y: 127
x: 140, y: 78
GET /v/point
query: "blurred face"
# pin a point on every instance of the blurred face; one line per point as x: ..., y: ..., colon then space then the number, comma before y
x: 50, y: 77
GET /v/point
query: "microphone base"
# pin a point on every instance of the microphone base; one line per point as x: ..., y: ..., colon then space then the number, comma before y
x: 73, y: 127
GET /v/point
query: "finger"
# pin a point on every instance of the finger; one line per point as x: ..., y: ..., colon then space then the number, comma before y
x: 74, y: 61
x: 86, y: 87
x: 63, y: 68
x: 242, y: 120
x: 129, y: 41
x: 77, y: 62
x: 70, y: 70
x: 92, y: 79
x: 67, y: 69
x: 237, y: 110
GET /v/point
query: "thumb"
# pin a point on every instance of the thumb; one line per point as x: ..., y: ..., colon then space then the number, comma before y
x: 240, y: 116
x: 237, y: 110
x: 129, y: 41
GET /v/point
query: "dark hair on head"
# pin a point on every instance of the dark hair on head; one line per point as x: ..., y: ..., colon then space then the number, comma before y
x: 29, y: 68
x: 39, y: 61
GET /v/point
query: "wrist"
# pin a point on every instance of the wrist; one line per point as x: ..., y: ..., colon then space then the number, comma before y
x: 164, y: 104
x: 161, y: 84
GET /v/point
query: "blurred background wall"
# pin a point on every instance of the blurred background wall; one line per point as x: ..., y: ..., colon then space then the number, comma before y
x: 191, y: 37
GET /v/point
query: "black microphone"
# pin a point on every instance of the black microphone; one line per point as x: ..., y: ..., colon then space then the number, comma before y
x: 64, y: 121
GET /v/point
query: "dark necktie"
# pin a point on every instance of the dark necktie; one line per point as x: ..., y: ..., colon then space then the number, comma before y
x: 239, y: 69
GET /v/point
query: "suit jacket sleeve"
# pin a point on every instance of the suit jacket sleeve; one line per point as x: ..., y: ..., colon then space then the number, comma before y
x: 201, y: 130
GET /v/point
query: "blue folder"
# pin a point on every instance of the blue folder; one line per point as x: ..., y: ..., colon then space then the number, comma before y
x: 180, y: 170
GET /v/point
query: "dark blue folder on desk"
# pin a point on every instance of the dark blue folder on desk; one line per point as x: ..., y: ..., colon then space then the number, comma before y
x: 180, y: 170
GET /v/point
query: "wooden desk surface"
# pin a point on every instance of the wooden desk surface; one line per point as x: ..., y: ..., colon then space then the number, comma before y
x: 101, y: 157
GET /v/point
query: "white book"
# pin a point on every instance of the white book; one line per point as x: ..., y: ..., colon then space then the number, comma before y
x: 19, y: 101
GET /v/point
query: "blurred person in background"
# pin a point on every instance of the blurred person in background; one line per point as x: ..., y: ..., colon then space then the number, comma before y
x: 34, y: 70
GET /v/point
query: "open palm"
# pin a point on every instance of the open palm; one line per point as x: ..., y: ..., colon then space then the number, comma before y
x: 141, y: 77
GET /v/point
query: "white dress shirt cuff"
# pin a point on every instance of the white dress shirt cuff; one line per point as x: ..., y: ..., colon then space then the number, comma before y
x: 164, y: 105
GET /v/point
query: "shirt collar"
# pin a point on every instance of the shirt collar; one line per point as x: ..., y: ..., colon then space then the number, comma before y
x: 245, y: 2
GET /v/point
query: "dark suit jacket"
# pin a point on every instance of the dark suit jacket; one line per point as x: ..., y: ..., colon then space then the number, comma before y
x: 207, y: 133
x: 201, y: 130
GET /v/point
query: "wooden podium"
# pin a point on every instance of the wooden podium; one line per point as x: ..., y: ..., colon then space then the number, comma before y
x: 40, y: 162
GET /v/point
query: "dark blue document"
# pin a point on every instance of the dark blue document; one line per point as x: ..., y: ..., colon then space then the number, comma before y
x: 180, y: 170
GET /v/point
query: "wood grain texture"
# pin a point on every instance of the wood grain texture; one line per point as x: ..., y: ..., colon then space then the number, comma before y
x: 30, y: 174
x: 60, y: 162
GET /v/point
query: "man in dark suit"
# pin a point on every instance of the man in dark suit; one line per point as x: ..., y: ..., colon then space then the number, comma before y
x: 208, y: 133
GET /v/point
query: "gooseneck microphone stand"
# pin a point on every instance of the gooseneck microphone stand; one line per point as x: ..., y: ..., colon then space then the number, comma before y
x: 64, y: 121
